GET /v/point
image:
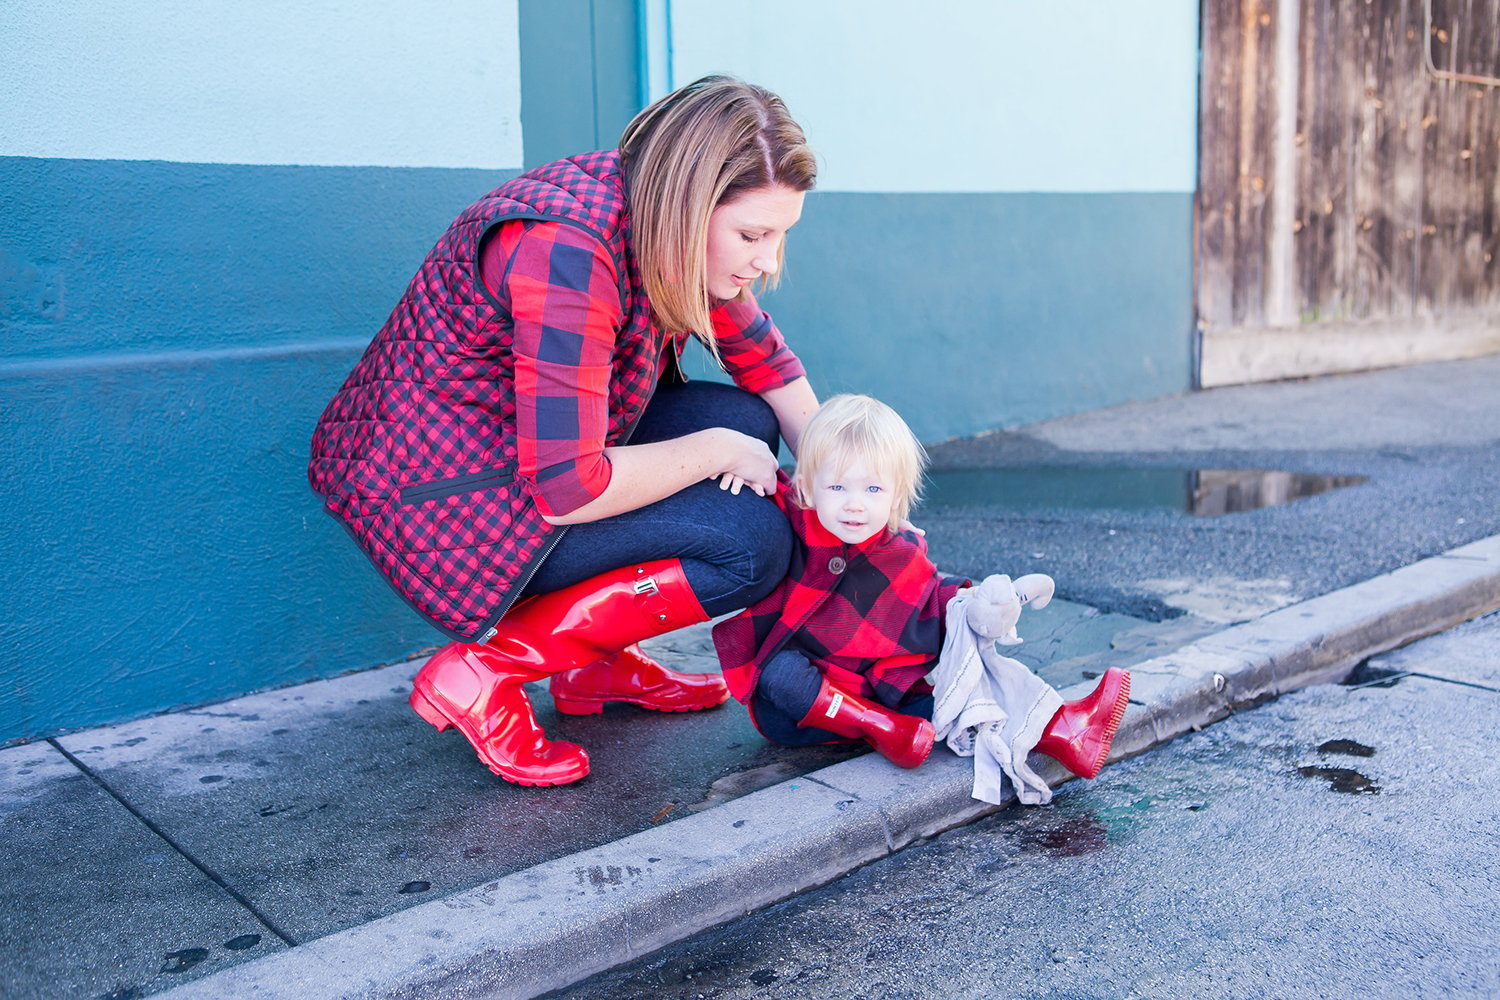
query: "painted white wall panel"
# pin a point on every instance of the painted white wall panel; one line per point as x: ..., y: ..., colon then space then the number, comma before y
x: 328, y: 82
x: 968, y: 95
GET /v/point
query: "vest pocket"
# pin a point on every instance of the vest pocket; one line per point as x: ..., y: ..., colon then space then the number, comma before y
x: 440, y: 488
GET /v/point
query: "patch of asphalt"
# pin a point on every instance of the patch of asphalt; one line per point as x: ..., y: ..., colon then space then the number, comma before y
x: 559, y: 922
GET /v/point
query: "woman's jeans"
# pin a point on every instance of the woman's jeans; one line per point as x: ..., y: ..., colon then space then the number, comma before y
x: 734, y: 549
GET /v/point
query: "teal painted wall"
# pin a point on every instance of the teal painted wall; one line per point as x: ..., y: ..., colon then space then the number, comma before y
x: 971, y: 312
x: 171, y: 332
x: 580, y: 75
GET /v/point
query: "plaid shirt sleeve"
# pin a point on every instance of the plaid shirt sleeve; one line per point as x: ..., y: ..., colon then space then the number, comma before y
x: 563, y: 294
x: 754, y: 352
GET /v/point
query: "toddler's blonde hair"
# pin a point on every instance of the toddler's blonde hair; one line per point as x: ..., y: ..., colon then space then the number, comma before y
x: 850, y: 428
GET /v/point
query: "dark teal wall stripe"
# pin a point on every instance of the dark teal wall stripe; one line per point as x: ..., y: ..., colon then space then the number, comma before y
x: 581, y: 77
x: 169, y: 334
x: 969, y: 312
x: 102, y: 256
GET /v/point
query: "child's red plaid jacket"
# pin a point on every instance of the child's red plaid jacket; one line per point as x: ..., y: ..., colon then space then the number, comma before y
x: 869, y: 616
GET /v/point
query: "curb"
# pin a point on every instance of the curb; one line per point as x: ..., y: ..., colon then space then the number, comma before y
x: 600, y: 908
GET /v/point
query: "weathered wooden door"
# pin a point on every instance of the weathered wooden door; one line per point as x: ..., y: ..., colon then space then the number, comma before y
x: 1348, y: 209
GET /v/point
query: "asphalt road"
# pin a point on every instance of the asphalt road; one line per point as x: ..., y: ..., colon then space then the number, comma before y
x: 1339, y: 842
x: 1098, y: 500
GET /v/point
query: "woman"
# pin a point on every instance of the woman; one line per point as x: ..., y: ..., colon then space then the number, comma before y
x: 518, y: 452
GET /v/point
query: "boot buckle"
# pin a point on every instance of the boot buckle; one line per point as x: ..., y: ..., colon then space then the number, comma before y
x: 646, y: 586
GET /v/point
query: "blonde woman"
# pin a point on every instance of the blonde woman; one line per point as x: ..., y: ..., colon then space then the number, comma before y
x: 519, y: 454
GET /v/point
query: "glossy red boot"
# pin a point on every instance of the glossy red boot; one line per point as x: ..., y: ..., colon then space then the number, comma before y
x: 630, y: 675
x: 478, y: 687
x: 1079, y: 735
x: 471, y: 687
x: 904, y: 740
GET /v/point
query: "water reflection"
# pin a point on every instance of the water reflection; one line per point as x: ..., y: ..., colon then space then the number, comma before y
x: 1199, y: 492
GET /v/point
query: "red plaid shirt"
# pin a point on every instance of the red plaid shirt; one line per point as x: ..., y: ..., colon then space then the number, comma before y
x: 561, y: 288
x: 868, y: 616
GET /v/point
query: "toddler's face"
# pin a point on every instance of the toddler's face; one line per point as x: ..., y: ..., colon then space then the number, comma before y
x: 854, y: 503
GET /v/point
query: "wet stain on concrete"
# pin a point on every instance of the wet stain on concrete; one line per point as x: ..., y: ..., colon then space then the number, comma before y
x: 242, y: 943
x: 1070, y: 839
x: 733, y: 786
x: 181, y: 961
x: 604, y: 877
x: 411, y: 888
x: 1342, y: 779
x: 1366, y: 676
x: 1349, y: 748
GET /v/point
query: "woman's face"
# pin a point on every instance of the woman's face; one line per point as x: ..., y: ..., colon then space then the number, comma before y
x: 744, y: 236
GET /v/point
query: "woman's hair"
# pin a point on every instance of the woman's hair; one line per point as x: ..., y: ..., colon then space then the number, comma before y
x: 857, y: 428
x: 700, y: 147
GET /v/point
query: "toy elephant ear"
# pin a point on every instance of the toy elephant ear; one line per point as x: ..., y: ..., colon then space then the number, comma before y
x: 994, y: 608
x: 1035, y: 590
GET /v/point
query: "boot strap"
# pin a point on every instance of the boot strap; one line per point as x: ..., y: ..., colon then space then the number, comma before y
x: 650, y: 598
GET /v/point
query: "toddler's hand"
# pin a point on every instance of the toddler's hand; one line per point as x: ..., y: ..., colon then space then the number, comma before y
x: 729, y: 481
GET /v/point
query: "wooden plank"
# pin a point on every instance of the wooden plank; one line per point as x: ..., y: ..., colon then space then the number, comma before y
x: 1397, y: 175
x: 1217, y: 164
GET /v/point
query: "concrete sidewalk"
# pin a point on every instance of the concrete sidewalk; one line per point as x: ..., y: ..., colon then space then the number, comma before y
x: 322, y: 841
x: 555, y: 923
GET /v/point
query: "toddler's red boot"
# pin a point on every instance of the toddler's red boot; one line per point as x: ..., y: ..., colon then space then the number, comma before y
x: 904, y: 740
x: 1080, y: 732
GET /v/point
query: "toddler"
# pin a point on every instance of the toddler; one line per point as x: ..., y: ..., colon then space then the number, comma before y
x: 840, y: 650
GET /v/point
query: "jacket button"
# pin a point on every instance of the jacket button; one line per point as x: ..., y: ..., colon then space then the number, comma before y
x: 837, y: 565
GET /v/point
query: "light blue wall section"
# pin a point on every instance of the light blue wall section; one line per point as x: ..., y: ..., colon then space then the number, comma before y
x: 1002, y: 229
x: 383, y: 82
x: 967, y: 95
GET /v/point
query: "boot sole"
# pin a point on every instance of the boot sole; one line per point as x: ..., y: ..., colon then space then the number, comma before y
x: 1116, y: 716
x: 574, y: 706
x: 433, y: 714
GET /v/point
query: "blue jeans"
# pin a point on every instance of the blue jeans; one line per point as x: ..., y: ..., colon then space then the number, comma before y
x: 734, y: 549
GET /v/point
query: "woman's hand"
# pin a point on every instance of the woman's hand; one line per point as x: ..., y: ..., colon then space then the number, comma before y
x: 642, y: 474
x: 748, y: 462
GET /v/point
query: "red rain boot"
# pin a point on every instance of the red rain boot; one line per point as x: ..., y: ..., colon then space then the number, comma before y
x: 1079, y: 734
x: 547, y: 634
x: 904, y: 740
x: 630, y: 675
x: 633, y: 677
x: 472, y: 687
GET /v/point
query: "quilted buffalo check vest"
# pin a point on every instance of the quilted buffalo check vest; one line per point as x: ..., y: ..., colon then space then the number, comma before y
x: 416, y: 454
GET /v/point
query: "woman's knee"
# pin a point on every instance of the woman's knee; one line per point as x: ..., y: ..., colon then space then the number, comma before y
x: 697, y: 405
x: 768, y: 552
x: 752, y: 416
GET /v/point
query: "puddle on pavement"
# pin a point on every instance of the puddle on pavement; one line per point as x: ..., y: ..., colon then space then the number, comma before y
x: 1367, y: 675
x: 1199, y: 492
x: 1349, y: 748
x: 1342, y: 779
